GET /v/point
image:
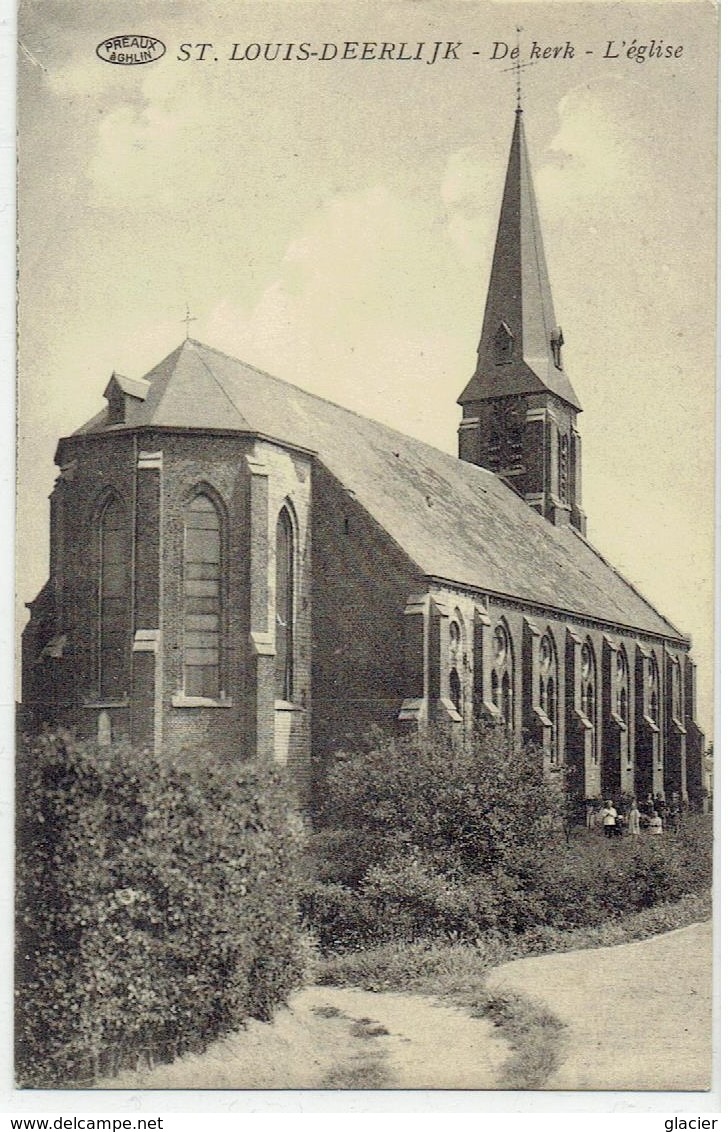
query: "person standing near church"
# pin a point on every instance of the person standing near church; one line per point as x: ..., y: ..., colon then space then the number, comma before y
x: 609, y: 818
x: 655, y: 824
x: 633, y: 820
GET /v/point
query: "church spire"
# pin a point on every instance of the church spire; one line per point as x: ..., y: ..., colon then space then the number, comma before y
x: 519, y: 326
x: 519, y: 407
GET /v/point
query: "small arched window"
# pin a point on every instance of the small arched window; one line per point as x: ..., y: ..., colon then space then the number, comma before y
x: 677, y: 697
x: 620, y: 685
x: 456, y: 660
x: 652, y: 699
x: 114, y: 601
x: 564, y: 467
x: 546, y: 682
x: 456, y: 691
x: 622, y: 705
x: 284, y: 606
x: 202, y: 599
x: 588, y: 670
x: 502, y: 674
x: 620, y: 702
x: 547, y: 691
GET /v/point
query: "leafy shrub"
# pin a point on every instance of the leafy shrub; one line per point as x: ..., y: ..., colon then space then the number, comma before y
x: 404, y: 898
x: 429, y: 839
x: 156, y: 905
x: 343, y: 856
x: 477, y: 800
x: 343, y: 918
x: 459, y: 970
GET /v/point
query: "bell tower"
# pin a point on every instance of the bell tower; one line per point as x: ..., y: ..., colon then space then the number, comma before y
x: 519, y: 408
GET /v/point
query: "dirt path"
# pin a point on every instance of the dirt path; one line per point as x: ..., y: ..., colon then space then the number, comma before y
x: 638, y: 1016
x: 341, y: 1037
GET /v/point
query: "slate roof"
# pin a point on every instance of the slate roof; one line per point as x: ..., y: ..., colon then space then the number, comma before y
x: 519, y: 295
x: 131, y: 386
x: 454, y: 520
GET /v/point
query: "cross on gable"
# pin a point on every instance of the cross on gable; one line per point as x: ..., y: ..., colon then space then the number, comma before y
x: 188, y: 318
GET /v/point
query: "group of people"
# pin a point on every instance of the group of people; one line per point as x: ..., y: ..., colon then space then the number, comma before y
x: 652, y: 817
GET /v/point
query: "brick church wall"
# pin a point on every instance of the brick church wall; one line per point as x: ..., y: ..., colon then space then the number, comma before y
x: 92, y: 468
x: 66, y: 688
x: 361, y: 582
x: 222, y: 464
x: 353, y: 667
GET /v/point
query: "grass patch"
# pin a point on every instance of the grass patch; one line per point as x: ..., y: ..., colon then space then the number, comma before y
x: 536, y: 1037
x: 447, y: 969
x: 365, y: 1072
x: 458, y: 973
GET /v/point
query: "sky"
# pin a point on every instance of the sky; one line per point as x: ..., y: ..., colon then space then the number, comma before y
x: 332, y: 221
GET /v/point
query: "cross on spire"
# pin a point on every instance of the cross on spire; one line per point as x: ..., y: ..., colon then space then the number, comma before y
x: 187, y: 320
x: 518, y: 68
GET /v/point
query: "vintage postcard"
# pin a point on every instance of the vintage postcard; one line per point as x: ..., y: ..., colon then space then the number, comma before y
x: 365, y: 543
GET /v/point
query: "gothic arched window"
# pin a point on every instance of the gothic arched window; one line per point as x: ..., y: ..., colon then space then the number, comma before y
x: 587, y: 692
x: 652, y: 698
x: 547, y: 691
x: 620, y: 704
x: 284, y: 606
x: 114, y: 601
x: 202, y: 597
x: 456, y: 691
x: 677, y: 697
x: 564, y: 467
x: 514, y: 429
x: 456, y: 660
x: 502, y: 674
x: 588, y: 674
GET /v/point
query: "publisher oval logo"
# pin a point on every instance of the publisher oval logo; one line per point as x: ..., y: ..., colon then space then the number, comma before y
x: 130, y: 50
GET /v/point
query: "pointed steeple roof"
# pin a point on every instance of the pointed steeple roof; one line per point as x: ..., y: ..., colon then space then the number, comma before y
x: 520, y: 344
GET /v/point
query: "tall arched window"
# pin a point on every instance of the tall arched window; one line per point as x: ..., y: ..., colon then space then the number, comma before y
x: 652, y: 702
x: 114, y: 595
x: 587, y: 694
x: 284, y: 606
x: 652, y: 699
x: 564, y: 467
x: 677, y: 697
x: 202, y: 599
x: 588, y: 671
x: 621, y: 694
x: 620, y: 686
x: 501, y: 679
x: 456, y: 660
x: 547, y: 691
x: 456, y: 691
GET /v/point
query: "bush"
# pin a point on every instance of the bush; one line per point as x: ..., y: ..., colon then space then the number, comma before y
x: 155, y: 902
x: 475, y: 801
x: 434, y: 840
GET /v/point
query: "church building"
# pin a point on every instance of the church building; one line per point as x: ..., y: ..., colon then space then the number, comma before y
x: 240, y: 566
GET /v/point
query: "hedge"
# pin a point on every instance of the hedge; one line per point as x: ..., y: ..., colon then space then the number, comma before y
x: 424, y: 838
x: 156, y: 905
